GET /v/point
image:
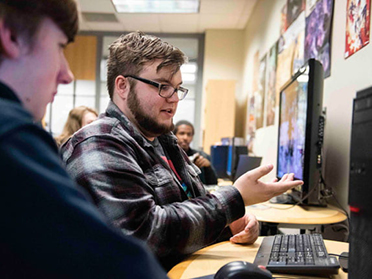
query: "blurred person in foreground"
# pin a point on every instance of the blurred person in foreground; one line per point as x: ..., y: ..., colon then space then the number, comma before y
x: 184, y: 131
x: 77, y: 118
x: 50, y: 229
x: 140, y: 178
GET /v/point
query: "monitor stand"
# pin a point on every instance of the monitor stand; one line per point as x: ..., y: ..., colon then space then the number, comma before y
x: 283, y: 199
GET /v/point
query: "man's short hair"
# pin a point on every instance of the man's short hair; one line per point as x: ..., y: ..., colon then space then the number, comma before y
x: 23, y: 17
x: 183, y: 122
x: 129, y: 53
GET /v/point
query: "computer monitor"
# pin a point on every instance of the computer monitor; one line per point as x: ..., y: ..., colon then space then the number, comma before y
x: 225, y: 159
x: 300, y: 133
x: 246, y: 163
x: 234, y: 152
x: 219, y: 159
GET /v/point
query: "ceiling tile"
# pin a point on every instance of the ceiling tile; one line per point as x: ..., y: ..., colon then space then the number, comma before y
x: 98, y: 6
x: 172, y: 23
x: 218, y: 21
x: 142, y: 22
x: 222, y: 7
x: 214, y: 14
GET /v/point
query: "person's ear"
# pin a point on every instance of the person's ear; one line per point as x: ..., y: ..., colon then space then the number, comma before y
x: 9, y: 45
x: 122, y: 87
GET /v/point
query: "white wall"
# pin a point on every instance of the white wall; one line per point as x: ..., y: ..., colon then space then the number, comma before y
x: 347, y: 77
x: 262, y: 31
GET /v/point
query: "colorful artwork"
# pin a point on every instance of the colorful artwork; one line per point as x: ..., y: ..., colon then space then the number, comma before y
x: 298, y: 52
x: 260, y: 95
x: 284, y: 68
x: 251, y: 127
x: 318, y: 34
x: 291, y: 54
x: 294, y: 9
x: 256, y: 70
x: 357, y: 25
x: 310, y: 5
x: 283, y: 20
x: 271, y: 76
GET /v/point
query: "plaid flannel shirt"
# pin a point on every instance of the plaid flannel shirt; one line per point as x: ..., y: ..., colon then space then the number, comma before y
x: 136, y: 190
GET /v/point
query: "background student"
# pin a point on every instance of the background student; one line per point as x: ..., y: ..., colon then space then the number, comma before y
x: 184, y: 131
x: 77, y: 118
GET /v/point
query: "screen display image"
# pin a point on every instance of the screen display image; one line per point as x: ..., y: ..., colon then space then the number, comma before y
x: 292, y: 129
x: 300, y: 133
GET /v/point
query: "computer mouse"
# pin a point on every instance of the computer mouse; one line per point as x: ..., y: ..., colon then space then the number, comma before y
x: 242, y: 270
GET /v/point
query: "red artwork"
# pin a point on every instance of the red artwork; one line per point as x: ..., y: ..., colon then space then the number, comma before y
x: 357, y: 25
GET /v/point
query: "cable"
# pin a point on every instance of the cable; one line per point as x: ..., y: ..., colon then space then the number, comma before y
x: 330, y: 193
x: 338, y: 255
x: 299, y: 202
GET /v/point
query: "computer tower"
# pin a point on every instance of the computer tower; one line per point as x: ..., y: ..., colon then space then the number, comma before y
x: 360, y: 187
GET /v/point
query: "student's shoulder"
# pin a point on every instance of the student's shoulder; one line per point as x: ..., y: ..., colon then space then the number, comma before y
x: 99, y: 134
x: 13, y: 117
x: 17, y: 123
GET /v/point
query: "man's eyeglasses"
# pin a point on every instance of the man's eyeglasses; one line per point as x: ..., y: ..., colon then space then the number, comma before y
x: 164, y: 90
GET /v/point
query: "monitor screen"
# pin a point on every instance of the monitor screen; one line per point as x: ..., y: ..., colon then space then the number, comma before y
x: 300, y: 131
x: 292, y: 128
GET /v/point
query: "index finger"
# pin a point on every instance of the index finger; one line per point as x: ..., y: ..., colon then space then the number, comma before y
x: 257, y: 173
x: 281, y: 187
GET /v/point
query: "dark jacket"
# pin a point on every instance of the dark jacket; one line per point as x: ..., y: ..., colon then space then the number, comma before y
x: 49, y: 229
x: 208, y: 175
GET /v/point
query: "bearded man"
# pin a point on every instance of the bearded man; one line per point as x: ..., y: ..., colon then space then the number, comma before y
x: 140, y: 178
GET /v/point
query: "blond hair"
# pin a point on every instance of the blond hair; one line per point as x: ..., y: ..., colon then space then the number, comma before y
x: 73, y: 123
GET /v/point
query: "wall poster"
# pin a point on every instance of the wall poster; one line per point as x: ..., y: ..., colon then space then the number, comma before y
x: 357, y: 25
x: 294, y: 9
x: 260, y: 95
x: 251, y: 127
x: 290, y: 52
x: 318, y: 34
x: 271, y: 80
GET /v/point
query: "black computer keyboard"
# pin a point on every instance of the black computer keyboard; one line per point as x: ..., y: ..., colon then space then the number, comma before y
x: 296, y: 254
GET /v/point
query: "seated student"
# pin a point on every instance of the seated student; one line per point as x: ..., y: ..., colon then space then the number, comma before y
x: 184, y: 132
x: 77, y: 118
x: 49, y: 228
x: 137, y: 174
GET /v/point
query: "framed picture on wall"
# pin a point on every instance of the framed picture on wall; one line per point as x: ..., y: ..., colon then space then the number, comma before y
x: 260, y: 94
x: 357, y: 25
x: 271, y: 81
x: 318, y: 34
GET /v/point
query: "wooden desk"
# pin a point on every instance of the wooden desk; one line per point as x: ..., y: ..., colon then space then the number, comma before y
x: 287, y: 215
x: 224, y: 182
x: 209, y: 260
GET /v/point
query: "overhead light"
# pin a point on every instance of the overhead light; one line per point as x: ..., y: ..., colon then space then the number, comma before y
x: 156, y: 6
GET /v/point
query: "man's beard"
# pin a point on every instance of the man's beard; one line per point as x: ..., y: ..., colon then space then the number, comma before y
x: 144, y: 121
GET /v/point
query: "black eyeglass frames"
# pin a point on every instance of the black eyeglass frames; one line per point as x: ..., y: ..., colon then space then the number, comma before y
x: 164, y: 90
